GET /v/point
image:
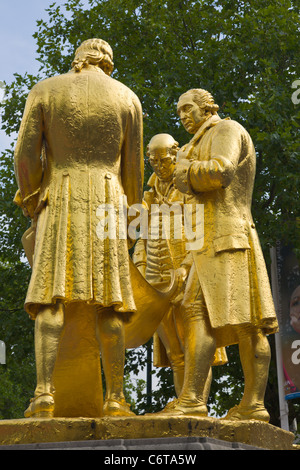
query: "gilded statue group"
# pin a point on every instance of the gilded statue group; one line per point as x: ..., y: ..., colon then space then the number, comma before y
x: 80, y: 146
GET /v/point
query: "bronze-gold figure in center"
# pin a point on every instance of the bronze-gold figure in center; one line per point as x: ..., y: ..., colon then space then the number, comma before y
x: 161, y: 252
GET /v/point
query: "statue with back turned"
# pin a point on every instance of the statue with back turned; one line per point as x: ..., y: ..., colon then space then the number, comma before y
x: 79, y: 147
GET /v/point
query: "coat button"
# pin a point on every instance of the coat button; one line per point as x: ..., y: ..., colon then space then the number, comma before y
x: 108, y: 176
x: 65, y: 173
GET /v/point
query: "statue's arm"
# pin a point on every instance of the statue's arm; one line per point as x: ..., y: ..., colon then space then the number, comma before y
x: 132, y: 163
x: 27, y: 155
x: 217, y: 171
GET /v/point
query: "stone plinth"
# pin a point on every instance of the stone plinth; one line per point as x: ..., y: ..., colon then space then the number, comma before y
x: 58, y: 430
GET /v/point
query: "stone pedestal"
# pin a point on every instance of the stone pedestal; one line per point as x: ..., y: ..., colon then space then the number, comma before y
x: 122, y: 431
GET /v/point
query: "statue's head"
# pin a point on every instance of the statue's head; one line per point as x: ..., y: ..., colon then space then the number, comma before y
x: 161, y: 151
x: 94, y: 52
x: 194, y: 107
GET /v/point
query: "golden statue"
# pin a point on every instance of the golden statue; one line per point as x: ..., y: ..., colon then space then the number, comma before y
x: 156, y: 257
x: 79, y: 153
x: 79, y: 166
x: 227, y: 299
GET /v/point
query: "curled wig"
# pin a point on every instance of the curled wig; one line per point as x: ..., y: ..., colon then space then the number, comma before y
x: 95, y: 52
x: 203, y: 99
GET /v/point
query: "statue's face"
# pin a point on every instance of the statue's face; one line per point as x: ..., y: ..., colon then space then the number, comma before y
x: 163, y: 163
x: 295, y: 310
x: 191, y: 116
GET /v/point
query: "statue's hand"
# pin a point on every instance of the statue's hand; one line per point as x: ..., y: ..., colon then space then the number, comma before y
x: 181, y: 276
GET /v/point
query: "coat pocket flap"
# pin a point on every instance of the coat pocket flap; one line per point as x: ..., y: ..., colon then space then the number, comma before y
x: 231, y: 242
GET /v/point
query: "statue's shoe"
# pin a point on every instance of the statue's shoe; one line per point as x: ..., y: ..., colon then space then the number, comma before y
x: 117, y: 408
x: 177, y: 408
x: 240, y: 412
x: 41, y: 406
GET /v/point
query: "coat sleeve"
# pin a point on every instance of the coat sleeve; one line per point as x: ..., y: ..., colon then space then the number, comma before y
x: 225, y: 153
x: 27, y: 155
x: 132, y: 160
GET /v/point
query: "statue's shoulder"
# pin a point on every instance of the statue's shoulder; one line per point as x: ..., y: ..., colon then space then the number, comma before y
x: 234, y: 129
x: 48, y: 82
x: 126, y: 92
x: 229, y: 125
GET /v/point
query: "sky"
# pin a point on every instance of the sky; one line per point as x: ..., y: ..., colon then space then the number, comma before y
x: 18, y: 49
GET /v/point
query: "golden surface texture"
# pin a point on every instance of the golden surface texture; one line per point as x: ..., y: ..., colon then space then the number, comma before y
x: 77, y: 374
x: 93, y: 156
x: 79, y: 167
x: 227, y: 297
x: 157, y: 257
x: 253, y: 433
x: 221, y: 169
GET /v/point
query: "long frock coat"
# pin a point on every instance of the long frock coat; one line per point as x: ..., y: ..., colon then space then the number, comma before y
x: 79, y: 151
x: 217, y: 169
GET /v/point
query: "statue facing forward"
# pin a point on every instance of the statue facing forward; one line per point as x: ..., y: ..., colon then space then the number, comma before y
x: 88, y: 127
x: 165, y: 250
x: 227, y: 298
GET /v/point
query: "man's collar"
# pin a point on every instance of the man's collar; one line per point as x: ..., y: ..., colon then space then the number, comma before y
x: 211, y: 121
x: 151, y: 180
x: 154, y: 181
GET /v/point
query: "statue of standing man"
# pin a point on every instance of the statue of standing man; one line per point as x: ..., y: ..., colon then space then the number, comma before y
x: 88, y: 127
x: 157, y: 256
x: 227, y: 298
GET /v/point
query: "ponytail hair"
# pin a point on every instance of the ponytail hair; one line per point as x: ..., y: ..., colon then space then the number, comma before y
x: 94, y: 52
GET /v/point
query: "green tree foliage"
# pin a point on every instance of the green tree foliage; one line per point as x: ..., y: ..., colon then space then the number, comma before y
x: 246, y: 53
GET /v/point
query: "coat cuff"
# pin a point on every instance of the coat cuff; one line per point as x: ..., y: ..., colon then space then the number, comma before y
x: 29, y: 203
x: 182, y: 176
